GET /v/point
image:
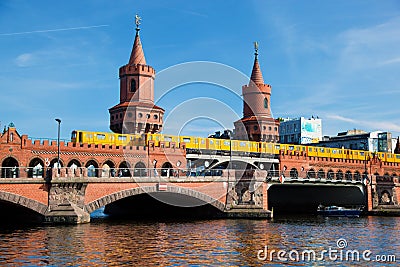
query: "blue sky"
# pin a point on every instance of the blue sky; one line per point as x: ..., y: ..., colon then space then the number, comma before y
x: 339, y: 60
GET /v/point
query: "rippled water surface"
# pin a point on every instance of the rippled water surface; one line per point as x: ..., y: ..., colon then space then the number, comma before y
x: 106, y: 242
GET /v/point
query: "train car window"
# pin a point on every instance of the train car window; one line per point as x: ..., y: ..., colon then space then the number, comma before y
x: 397, y: 156
x: 310, y: 149
x: 277, y: 147
x: 242, y: 144
x: 361, y: 153
x: 334, y: 151
x: 291, y: 147
x: 211, y: 142
x: 186, y: 140
x: 101, y: 136
x: 73, y: 135
x: 167, y: 138
x: 226, y: 143
x: 121, y: 138
x: 322, y: 150
x: 203, y: 142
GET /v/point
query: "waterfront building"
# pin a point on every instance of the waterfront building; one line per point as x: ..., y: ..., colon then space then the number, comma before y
x: 257, y: 123
x: 377, y: 141
x: 300, y: 130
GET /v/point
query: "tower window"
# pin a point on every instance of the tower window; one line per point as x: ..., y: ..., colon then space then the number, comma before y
x: 265, y: 102
x: 133, y: 85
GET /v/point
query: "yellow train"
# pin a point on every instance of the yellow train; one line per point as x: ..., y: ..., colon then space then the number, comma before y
x: 225, y: 146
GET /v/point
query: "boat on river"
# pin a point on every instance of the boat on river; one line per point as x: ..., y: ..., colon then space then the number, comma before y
x: 337, y: 211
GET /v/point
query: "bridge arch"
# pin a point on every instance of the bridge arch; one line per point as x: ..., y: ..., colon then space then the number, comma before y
x: 108, y: 199
x: 24, y: 202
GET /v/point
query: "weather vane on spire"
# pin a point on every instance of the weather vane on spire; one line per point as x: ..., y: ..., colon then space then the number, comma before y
x: 137, y: 21
x: 256, y: 48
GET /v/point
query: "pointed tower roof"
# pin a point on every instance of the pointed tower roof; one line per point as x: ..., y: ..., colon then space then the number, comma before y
x: 137, y: 54
x: 256, y: 75
x: 397, y: 149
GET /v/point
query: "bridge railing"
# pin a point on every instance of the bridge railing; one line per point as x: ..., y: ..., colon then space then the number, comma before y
x: 83, y: 172
x: 34, y: 172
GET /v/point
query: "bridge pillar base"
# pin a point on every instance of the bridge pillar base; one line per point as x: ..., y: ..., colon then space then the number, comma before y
x: 248, y: 213
x: 66, y: 213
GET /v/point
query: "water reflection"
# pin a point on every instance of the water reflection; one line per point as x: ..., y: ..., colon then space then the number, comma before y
x: 206, y: 243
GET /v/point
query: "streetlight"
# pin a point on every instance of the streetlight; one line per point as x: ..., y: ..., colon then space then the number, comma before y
x: 58, y: 144
x: 365, y: 161
x: 229, y: 132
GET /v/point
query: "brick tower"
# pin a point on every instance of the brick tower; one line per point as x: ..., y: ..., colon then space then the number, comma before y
x: 136, y: 112
x: 257, y: 123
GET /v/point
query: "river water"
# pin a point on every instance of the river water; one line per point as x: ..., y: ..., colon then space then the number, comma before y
x: 222, y: 242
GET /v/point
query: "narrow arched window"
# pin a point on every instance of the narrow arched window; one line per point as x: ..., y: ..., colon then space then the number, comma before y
x: 133, y: 85
x: 11, y: 137
x: 265, y: 102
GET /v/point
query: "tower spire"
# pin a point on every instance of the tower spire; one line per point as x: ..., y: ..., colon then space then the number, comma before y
x: 137, y: 54
x: 256, y: 75
x: 397, y: 149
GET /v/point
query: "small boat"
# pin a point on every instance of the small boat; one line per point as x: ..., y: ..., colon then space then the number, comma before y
x: 339, y: 211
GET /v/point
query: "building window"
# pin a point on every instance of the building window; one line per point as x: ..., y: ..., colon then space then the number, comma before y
x: 269, y: 128
x: 148, y: 116
x: 255, y: 127
x: 133, y: 85
x: 140, y: 115
x: 155, y: 116
x: 265, y: 102
x: 129, y: 114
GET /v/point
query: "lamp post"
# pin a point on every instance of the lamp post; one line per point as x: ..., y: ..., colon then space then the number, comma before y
x: 365, y: 160
x: 58, y: 144
x: 229, y: 165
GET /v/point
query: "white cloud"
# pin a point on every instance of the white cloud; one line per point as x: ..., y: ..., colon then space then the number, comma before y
x: 374, y: 125
x: 390, y: 61
x: 24, y: 60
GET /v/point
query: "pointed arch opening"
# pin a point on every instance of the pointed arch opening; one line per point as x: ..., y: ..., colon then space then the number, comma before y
x: 35, y: 169
x: 124, y: 169
x: 294, y: 173
x: 166, y: 169
x: 108, y: 169
x: 92, y: 168
x: 321, y: 174
x: 10, y: 168
x: 140, y: 170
